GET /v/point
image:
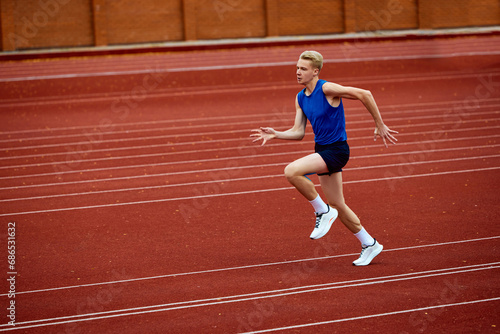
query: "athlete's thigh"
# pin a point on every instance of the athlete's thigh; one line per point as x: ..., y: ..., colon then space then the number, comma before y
x: 332, y: 188
x: 312, y: 163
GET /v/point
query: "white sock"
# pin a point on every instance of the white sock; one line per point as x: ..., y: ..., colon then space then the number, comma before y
x: 318, y: 205
x: 364, y: 238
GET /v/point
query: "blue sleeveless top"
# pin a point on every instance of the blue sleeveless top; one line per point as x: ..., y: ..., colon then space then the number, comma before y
x: 328, y: 122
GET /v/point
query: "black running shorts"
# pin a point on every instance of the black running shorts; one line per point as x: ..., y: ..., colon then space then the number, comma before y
x: 335, y: 155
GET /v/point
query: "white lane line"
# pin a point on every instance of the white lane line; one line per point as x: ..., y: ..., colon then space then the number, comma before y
x: 247, y: 297
x: 411, y: 106
x: 243, y: 66
x: 253, y: 177
x: 144, y: 175
x: 472, y: 302
x: 98, y: 136
x: 236, y: 193
x: 194, y: 91
x: 413, y: 163
x: 252, y: 266
x: 92, y: 141
x: 217, y: 168
x: 244, y: 143
x: 163, y: 154
x: 180, y: 162
x: 422, y: 152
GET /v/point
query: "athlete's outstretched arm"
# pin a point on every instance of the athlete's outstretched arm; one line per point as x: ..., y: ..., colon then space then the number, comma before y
x: 297, y: 132
x: 365, y: 96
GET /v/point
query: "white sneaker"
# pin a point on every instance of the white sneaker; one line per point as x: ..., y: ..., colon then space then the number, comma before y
x: 324, y: 222
x: 368, y: 253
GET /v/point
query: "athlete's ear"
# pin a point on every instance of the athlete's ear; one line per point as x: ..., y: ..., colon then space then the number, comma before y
x: 316, y: 72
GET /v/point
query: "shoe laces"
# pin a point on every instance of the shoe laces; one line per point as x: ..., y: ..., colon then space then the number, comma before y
x: 318, y: 219
x: 363, y: 249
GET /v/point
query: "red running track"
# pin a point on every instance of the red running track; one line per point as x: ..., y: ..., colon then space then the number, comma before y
x: 141, y: 206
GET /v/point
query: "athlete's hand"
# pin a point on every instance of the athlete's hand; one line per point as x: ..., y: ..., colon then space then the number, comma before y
x: 264, y: 134
x: 385, y: 133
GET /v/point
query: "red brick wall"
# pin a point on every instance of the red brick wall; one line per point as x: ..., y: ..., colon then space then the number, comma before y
x: 132, y: 21
x: 31, y: 24
x: 386, y: 15
x: 458, y: 13
x: 28, y: 24
x: 230, y: 19
x: 298, y: 17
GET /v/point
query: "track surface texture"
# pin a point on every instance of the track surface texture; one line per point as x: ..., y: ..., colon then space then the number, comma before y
x: 141, y: 205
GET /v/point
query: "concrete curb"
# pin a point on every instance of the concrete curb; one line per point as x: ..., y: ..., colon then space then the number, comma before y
x: 225, y: 44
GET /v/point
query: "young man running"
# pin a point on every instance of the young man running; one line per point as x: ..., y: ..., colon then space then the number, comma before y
x: 320, y: 102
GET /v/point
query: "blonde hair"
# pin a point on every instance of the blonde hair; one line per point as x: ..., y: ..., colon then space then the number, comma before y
x: 315, y: 57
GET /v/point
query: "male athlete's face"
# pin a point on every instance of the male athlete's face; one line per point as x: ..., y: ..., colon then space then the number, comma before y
x: 305, y: 71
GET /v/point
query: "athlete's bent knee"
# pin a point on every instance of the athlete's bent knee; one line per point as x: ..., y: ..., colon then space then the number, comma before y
x: 290, y: 171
